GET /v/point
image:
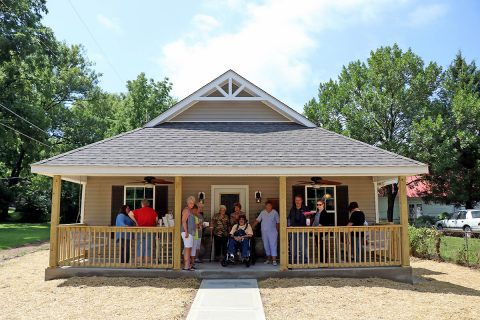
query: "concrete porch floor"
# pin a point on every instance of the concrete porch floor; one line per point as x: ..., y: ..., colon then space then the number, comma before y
x: 213, y: 270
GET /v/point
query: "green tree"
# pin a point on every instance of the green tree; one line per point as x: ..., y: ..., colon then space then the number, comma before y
x: 449, y: 139
x: 144, y: 100
x: 378, y: 101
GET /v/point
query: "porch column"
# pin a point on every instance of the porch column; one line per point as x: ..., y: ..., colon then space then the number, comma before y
x: 282, y: 195
x: 177, y: 238
x: 55, y: 219
x: 402, y: 194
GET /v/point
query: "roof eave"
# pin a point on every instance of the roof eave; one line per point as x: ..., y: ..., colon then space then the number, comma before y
x: 79, y: 170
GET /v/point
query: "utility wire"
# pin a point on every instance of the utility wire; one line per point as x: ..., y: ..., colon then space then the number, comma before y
x: 23, y: 134
x: 33, y: 125
x: 96, y: 42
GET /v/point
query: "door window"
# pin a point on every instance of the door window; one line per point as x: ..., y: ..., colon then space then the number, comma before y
x: 462, y: 215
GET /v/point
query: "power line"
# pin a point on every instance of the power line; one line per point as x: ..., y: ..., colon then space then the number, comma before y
x: 96, y: 42
x: 36, y: 127
x: 23, y: 134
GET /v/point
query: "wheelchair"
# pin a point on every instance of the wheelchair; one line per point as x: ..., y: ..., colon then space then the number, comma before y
x: 237, y: 247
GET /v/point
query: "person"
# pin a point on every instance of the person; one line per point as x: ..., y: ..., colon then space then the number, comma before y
x: 239, y: 236
x: 322, y: 218
x: 357, y: 219
x: 144, y: 217
x: 270, y: 225
x: 298, y: 244
x: 197, y: 237
x: 220, y: 227
x: 188, y: 232
x: 237, y: 212
x: 123, y: 220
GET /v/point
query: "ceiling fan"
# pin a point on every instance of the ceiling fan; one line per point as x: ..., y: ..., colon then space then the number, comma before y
x: 316, y: 182
x: 153, y: 180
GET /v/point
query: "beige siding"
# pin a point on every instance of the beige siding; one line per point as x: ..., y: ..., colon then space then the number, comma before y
x: 98, y: 197
x: 360, y: 189
x: 98, y: 193
x: 209, y: 111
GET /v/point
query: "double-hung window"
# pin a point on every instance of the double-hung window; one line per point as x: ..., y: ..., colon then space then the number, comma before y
x: 133, y: 196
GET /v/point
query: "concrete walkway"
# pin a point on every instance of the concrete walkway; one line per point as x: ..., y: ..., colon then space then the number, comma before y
x: 227, y: 299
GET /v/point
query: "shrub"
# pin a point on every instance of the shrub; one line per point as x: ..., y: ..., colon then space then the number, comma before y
x: 425, y: 221
x: 444, y: 215
x: 424, y: 242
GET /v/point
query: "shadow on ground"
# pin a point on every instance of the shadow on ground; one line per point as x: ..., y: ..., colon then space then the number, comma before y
x: 98, y: 282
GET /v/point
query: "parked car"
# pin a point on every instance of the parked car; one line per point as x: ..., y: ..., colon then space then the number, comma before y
x: 466, y: 220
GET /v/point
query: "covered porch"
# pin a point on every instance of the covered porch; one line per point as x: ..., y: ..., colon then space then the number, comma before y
x: 90, y: 247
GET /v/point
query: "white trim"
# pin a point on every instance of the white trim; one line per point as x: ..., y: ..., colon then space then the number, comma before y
x: 334, y: 198
x: 82, y: 204
x: 231, y: 76
x: 228, y: 171
x: 377, y: 214
x: 217, y: 188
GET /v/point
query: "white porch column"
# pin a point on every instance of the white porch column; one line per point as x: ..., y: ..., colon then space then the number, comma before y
x: 282, y: 195
x: 377, y: 214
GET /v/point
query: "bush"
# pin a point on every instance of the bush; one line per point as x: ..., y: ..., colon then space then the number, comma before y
x: 425, y: 221
x: 424, y: 242
x: 444, y: 215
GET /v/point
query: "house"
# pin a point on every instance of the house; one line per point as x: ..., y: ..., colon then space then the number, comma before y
x: 230, y: 141
x: 416, y: 205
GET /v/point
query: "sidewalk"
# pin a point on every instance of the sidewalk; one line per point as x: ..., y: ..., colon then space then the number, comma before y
x: 227, y: 299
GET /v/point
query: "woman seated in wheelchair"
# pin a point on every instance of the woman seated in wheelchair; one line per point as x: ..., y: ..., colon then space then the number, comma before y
x: 239, y: 240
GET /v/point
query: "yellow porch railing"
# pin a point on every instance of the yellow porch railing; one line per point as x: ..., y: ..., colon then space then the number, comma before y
x: 116, y: 247
x: 330, y: 247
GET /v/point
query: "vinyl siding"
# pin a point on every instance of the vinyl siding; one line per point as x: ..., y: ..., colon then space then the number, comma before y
x: 212, y: 111
x: 98, y: 193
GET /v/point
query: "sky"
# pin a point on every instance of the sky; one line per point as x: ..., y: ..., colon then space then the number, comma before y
x: 286, y: 47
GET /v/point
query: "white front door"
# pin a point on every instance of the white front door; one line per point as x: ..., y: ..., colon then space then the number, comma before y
x: 229, y: 194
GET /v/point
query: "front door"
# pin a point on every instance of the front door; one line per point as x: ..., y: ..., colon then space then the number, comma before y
x: 228, y: 200
x: 228, y: 195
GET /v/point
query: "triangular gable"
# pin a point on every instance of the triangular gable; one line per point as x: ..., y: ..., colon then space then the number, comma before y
x: 231, y: 87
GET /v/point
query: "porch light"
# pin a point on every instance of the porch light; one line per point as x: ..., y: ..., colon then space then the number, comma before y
x: 201, y: 196
x: 258, y: 196
x: 327, y: 196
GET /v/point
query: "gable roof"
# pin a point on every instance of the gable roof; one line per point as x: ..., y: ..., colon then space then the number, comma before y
x: 230, y: 86
x: 230, y: 149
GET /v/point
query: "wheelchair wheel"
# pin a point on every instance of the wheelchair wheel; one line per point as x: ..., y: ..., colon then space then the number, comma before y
x: 224, y: 262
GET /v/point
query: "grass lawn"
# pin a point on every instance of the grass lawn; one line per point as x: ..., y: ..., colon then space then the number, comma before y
x: 452, y: 246
x: 17, y: 234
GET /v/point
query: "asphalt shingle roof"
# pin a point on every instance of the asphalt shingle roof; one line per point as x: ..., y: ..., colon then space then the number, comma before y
x: 230, y: 144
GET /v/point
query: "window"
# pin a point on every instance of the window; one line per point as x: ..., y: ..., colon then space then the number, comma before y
x: 135, y: 194
x: 462, y: 215
x: 475, y: 214
x: 326, y: 193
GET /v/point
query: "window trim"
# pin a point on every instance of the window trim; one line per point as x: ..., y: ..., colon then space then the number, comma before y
x: 152, y: 205
x: 334, y: 198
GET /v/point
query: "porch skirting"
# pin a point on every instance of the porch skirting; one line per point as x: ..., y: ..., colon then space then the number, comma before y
x: 215, y: 271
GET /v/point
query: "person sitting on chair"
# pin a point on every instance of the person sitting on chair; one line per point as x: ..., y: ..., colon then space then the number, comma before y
x: 239, y: 236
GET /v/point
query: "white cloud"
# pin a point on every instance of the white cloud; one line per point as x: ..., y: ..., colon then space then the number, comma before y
x: 108, y: 23
x: 205, y: 22
x: 425, y: 14
x: 271, y: 46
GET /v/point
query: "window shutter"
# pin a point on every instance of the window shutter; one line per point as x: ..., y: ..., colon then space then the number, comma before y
x: 161, y: 200
x: 342, y: 205
x: 298, y: 190
x: 117, y: 202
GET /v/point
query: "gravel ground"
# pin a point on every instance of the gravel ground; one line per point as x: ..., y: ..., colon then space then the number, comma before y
x: 25, y: 295
x: 443, y: 291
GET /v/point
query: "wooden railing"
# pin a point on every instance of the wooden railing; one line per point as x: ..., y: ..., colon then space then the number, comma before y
x: 330, y: 247
x: 116, y: 247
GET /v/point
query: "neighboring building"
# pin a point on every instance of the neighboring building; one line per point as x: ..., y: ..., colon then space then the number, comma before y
x: 231, y: 141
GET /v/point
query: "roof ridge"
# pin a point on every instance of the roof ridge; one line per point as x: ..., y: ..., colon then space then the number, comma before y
x: 373, y: 147
x: 58, y: 156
